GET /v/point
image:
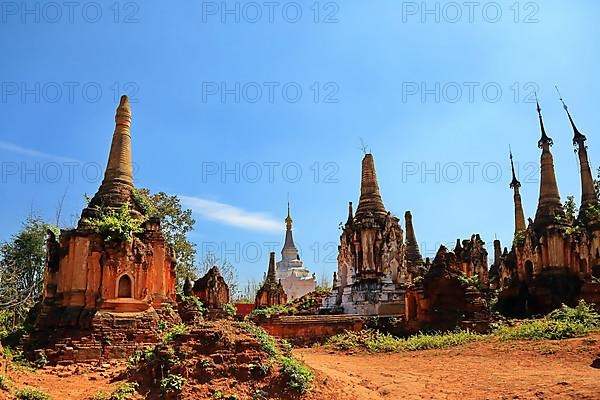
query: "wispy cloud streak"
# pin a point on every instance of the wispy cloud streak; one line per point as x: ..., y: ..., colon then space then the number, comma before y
x: 231, y: 215
x: 13, y: 148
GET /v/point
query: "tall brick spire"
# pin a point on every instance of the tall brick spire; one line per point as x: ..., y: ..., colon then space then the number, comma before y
x: 271, y: 277
x: 588, y: 191
x: 515, y: 186
x: 549, y: 204
x: 370, y: 198
x: 413, y: 255
x: 117, y: 185
x: 119, y: 168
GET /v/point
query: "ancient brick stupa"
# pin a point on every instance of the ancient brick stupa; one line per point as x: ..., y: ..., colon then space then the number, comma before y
x: 271, y: 292
x: 103, y: 293
x: 555, y: 259
x: 443, y: 299
x: 212, y: 289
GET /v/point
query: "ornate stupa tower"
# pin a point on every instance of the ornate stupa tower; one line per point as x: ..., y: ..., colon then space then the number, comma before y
x: 515, y: 185
x: 117, y: 186
x: 372, y: 271
x: 296, y: 280
x: 588, y: 191
x: 549, y: 205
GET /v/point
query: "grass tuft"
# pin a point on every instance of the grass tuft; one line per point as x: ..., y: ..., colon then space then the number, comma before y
x: 565, y: 322
x: 31, y: 393
x: 378, y: 342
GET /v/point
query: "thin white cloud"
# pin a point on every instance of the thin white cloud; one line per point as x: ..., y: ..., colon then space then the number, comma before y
x: 231, y: 215
x: 13, y: 148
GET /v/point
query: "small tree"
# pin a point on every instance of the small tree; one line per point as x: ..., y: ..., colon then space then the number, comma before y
x: 247, y: 294
x: 175, y: 224
x: 570, y: 210
x: 22, y: 263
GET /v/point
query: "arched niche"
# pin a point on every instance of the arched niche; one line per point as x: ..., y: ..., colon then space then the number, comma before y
x: 125, y: 287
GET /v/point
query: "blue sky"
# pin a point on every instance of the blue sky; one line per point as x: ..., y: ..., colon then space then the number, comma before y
x: 389, y: 72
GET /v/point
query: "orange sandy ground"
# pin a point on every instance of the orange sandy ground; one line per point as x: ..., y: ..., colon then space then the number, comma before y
x: 485, y: 370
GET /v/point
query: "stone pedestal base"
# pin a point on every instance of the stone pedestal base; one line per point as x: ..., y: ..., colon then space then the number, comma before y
x: 125, y: 305
x: 370, y: 298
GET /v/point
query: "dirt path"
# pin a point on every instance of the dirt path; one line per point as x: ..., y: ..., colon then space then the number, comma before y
x: 490, y: 370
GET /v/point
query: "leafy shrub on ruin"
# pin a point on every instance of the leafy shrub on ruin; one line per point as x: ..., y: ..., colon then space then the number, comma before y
x: 175, y: 332
x: 470, y: 280
x: 172, y: 383
x: 139, y: 356
x: 116, y: 225
x: 199, y: 304
x: 230, y: 309
x: 299, y: 376
x: 519, y: 239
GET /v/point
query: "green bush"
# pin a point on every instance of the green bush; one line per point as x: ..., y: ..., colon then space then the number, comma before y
x: 299, y: 375
x: 31, y: 393
x: 230, y: 309
x: 470, y: 280
x: 141, y: 199
x: 378, y: 342
x: 125, y: 391
x: 519, y: 239
x: 175, y: 332
x: 147, y: 354
x: 583, y: 313
x: 199, y: 305
x: 5, y: 383
x: 172, y: 383
x: 116, y: 225
x: 565, y: 322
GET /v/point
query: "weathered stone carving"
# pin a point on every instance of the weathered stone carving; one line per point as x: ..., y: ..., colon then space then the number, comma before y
x: 212, y: 289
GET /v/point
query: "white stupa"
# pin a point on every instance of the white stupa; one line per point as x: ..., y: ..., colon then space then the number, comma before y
x: 296, y: 280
